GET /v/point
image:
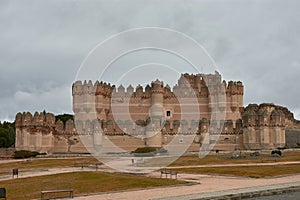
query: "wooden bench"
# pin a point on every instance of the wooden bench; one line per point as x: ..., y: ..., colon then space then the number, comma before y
x: 168, y: 172
x: 70, y: 191
x: 81, y: 164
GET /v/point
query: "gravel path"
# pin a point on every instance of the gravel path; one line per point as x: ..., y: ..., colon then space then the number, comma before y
x: 206, y: 183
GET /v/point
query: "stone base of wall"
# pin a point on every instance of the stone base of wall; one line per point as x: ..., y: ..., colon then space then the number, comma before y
x: 7, y: 152
x: 225, y: 147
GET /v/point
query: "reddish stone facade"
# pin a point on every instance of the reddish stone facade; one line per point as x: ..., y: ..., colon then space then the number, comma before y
x: 186, y: 109
x: 41, y: 132
x: 154, y: 115
x: 264, y: 126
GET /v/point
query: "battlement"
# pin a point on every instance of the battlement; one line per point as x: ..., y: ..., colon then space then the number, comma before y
x: 38, y: 119
x: 234, y: 88
x: 98, y: 88
x: 42, y: 120
x: 263, y: 115
x: 271, y: 114
x: 201, y: 84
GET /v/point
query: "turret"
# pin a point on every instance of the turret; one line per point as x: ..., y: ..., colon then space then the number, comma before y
x: 153, y: 132
x: 102, y: 98
x: 276, y: 118
x: 139, y: 91
x: 262, y: 117
x: 235, y: 92
x: 157, y: 91
x: 18, y: 120
x: 240, y: 95
x: 77, y: 93
x: 27, y: 119
x: 89, y: 97
x: 59, y: 126
x: 36, y: 120
x: 99, y: 100
x: 50, y: 119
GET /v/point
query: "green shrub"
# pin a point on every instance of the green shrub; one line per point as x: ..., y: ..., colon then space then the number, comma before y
x: 25, y: 154
x: 282, y: 148
x: 140, y: 122
x: 150, y: 150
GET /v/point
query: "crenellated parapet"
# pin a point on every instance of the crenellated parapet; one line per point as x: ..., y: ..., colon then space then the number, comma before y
x: 42, y: 132
x: 44, y: 123
x: 201, y: 85
x: 140, y: 92
x: 263, y: 115
x: 234, y: 88
x: 38, y: 119
x: 98, y: 88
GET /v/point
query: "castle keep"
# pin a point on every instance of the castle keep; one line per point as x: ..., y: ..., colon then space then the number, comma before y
x: 158, y: 115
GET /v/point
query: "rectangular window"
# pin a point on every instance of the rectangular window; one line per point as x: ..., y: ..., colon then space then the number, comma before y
x: 168, y: 113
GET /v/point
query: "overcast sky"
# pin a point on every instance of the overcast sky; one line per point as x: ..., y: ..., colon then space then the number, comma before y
x: 43, y: 43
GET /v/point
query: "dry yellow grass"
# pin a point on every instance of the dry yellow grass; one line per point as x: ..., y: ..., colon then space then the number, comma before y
x: 249, y: 171
x: 81, y: 182
x: 223, y: 159
x: 45, y: 163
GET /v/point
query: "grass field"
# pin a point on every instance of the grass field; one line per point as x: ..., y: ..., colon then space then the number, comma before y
x: 182, y: 161
x: 249, y: 171
x: 45, y: 163
x: 81, y: 182
x: 223, y: 159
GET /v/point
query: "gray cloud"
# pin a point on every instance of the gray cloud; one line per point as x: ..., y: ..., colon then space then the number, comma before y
x: 42, y: 44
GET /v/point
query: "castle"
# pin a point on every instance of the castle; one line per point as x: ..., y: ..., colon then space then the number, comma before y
x: 156, y: 116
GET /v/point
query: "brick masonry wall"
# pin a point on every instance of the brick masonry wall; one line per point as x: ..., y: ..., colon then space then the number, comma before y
x: 292, y: 138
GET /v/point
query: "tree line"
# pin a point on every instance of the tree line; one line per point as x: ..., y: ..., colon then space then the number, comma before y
x: 7, y: 134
